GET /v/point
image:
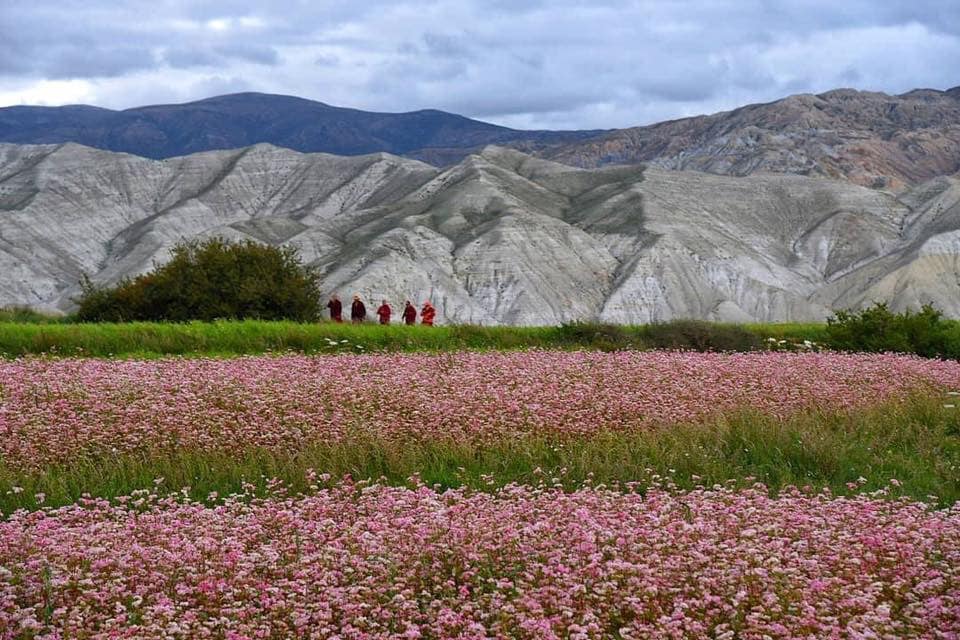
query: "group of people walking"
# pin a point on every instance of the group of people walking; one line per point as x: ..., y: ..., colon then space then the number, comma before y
x: 358, y: 311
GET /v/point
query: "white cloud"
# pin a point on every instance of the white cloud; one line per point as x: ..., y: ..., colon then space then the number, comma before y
x: 48, y: 93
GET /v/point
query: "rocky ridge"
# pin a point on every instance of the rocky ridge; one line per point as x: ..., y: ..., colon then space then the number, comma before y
x: 872, y: 139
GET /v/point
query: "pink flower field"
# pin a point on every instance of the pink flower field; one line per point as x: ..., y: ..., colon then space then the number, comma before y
x: 57, y: 411
x: 362, y: 562
x: 355, y: 560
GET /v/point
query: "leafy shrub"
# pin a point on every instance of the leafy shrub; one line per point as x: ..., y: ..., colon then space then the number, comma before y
x: 877, y: 329
x: 208, y: 281
x: 602, y: 336
x: 698, y: 335
x: 951, y: 339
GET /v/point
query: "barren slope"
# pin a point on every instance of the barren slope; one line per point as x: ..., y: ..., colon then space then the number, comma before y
x: 498, y: 238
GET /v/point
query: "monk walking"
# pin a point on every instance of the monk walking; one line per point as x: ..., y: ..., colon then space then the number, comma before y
x: 427, y: 314
x: 336, y: 308
x: 409, y: 313
x: 384, y: 312
x: 358, y: 311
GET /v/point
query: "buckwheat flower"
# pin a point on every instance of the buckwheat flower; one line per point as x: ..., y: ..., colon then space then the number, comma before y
x: 30, y: 624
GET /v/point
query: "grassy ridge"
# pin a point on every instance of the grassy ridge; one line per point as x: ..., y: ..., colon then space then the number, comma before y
x: 229, y: 337
x: 917, y: 443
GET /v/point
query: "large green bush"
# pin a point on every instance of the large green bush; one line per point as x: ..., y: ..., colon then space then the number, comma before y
x: 211, y: 280
x: 878, y: 329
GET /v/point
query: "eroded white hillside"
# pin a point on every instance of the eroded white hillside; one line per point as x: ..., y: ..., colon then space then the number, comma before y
x: 499, y: 238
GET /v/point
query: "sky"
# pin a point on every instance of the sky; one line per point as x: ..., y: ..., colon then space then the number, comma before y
x: 544, y: 64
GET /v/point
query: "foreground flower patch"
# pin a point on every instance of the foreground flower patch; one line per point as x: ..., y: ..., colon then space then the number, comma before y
x: 58, y: 411
x: 356, y: 562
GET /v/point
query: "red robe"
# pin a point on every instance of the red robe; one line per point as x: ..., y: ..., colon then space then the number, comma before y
x: 427, y: 314
x: 358, y: 311
x: 336, y: 310
x: 410, y: 314
x: 384, y: 312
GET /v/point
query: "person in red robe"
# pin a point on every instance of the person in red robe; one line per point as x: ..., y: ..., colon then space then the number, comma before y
x: 358, y: 311
x: 384, y: 311
x: 409, y: 313
x: 336, y: 308
x: 427, y: 314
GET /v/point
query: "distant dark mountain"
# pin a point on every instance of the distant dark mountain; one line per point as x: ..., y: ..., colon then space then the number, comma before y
x: 244, y: 119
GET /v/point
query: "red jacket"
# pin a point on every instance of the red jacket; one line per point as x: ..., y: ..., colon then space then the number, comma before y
x: 409, y: 314
x: 384, y: 312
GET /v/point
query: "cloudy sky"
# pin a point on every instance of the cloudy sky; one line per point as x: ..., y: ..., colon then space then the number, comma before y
x: 522, y: 63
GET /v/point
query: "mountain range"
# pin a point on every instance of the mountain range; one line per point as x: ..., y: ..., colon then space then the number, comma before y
x: 243, y: 119
x: 501, y: 237
x: 872, y: 139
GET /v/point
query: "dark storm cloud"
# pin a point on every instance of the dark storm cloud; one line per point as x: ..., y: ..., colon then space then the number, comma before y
x: 190, y: 57
x: 446, y: 46
x: 532, y: 63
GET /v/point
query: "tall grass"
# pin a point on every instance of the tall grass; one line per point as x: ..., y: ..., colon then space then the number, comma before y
x: 916, y: 442
x: 146, y: 339
x: 795, y: 331
x: 21, y: 315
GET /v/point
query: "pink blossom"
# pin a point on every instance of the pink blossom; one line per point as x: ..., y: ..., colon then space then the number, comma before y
x: 59, y: 411
x: 357, y: 561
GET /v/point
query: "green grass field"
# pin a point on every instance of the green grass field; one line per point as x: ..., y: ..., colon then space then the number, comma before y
x: 916, y: 443
x: 230, y: 337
